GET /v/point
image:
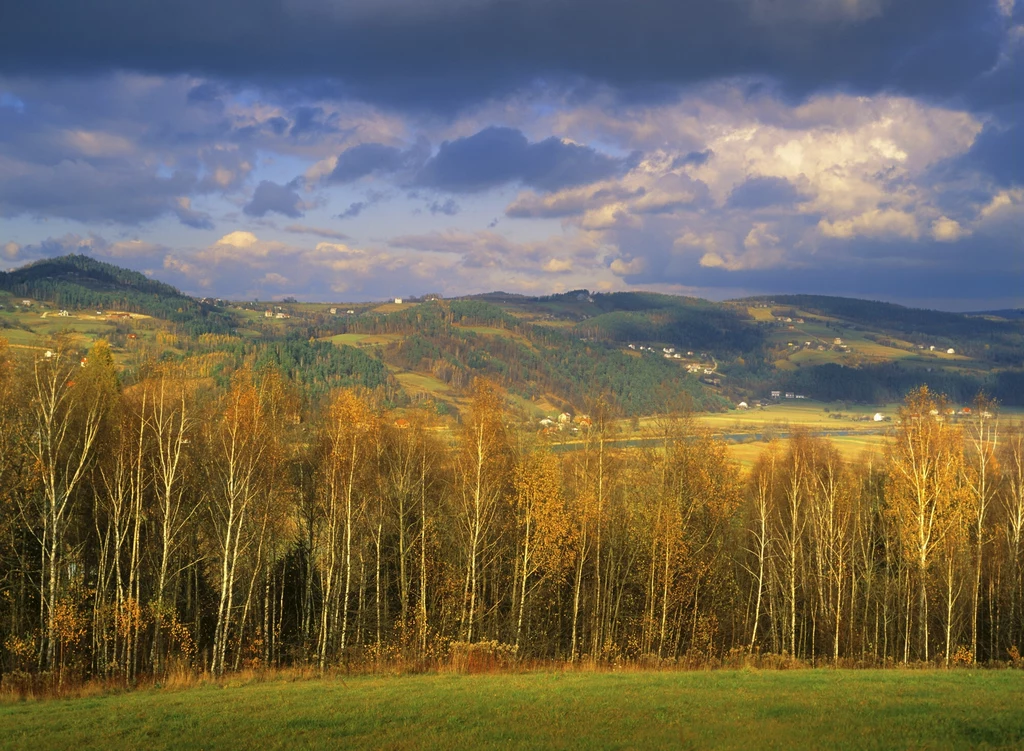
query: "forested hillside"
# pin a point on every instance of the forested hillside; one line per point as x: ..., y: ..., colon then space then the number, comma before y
x: 77, y: 281
x: 636, y: 352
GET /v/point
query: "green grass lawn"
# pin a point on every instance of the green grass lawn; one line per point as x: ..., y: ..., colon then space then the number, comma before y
x: 741, y: 709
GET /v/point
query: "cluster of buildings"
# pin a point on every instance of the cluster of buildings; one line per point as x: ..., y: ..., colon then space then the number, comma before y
x: 565, y: 423
x: 776, y: 395
x: 837, y: 345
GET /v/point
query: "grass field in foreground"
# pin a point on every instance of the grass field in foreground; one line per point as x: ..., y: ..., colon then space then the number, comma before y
x: 723, y: 709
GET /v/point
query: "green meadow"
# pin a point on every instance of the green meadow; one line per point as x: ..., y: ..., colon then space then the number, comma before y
x: 731, y: 709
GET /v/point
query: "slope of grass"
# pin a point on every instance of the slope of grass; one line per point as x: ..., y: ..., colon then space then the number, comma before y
x: 725, y: 709
x: 851, y: 447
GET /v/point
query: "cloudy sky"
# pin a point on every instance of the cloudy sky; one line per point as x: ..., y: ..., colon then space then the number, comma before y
x: 363, y: 149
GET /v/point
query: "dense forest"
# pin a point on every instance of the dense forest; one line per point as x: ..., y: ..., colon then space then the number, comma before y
x: 178, y: 523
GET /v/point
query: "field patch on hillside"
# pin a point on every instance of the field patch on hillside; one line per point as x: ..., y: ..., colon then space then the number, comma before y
x: 424, y: 384
x: 364, y: 340
x: 851, y: 447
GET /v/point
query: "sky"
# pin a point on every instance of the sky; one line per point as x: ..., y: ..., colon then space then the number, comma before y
x: 350, y: 150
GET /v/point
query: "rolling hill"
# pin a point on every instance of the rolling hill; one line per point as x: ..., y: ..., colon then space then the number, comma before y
x: 638, y: 352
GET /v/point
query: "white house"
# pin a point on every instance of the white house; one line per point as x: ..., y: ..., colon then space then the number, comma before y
x: 398, y: 301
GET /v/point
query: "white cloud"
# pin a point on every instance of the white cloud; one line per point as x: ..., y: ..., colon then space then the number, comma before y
x: 557, y: 265
x: 877, y: 223
x: 628, y: 268
x: 239, y: 239
x: 947, y: 230
x: 1002, y: 202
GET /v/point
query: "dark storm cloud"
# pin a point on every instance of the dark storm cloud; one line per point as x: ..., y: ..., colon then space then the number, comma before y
x: 448, y: 207
x: 116, y: 149
x: 192, y: 218
x: 694, y: 158
x: 458, y: 51
x: 999, y: 148
x: 86, y: 192
x: 365, y: 159
x: 941, y: 283
x: 205, y: 93
x: 270, y: 196
x: 310, y: 121
x: 496, y: 156
x: 762, y: 192
x: 353, y: 210
x: 859, y: 267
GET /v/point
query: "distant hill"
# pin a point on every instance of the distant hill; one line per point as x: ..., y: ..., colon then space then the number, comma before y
x: 82, y: 271
x: 623, y: 317
x: 1009, y: 314
x: 640, y: 352
x: 891, y: 317
x: 78, y: 281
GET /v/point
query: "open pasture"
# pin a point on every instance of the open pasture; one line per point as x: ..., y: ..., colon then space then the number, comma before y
x: 730, y: 709
x: 30, y: 329
x: 793, y: 413
x: 850, y: 447
x: 494, y: 331
x: 363, y: 340
x: 423, y: 384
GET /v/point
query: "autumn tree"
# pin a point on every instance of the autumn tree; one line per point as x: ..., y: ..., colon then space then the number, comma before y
x: 925, y: 461
x: 345, y: 441
x: 542, y: 523
x: 483, y: 476
x: 981, y: 470
x: 65, y: 425
x: 240, y: 442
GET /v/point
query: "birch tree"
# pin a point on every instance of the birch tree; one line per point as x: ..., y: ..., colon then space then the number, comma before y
x: 924, y: 465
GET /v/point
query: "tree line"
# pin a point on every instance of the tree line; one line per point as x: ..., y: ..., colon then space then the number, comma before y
x: 176, y: 525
